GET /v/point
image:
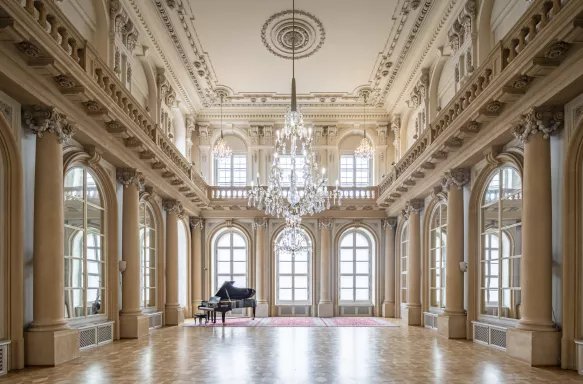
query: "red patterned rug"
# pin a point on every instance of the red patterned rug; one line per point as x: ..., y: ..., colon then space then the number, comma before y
x: 357, y: 322
x: 292, y: 322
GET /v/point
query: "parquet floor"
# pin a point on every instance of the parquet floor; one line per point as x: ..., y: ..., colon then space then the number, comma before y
x: 293, y: 355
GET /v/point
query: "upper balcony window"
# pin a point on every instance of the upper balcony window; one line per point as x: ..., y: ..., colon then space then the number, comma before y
x: 285, y: 163
x: 354, y: 171
x: 232, y: 172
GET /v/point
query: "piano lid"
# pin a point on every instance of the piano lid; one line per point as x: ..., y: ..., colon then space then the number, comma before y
x: 229, y: 292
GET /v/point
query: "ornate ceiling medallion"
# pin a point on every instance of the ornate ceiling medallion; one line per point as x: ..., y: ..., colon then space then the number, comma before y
x: 277, y: 34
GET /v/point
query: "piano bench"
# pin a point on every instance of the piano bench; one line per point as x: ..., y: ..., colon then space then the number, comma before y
x: 200, y: 317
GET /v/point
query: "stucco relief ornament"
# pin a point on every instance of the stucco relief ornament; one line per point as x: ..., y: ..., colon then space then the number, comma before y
x: 128, y: 176
x: 196, y: 222
x: 544, y: 121
x: 173, y: 206
x: 456, y: 177
x: 46, y: 119
x: 414, y: 206
x: 390, y: 222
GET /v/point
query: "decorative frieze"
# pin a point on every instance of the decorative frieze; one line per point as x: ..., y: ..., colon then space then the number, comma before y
x: 40, y: 120
x: 456, y: 177
x: 544, y: 120
x: 196, y: 222
x: 325, y: 223
x: 128, y: 176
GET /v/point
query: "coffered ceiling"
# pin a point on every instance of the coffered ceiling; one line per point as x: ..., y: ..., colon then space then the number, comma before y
x: 241, y: 48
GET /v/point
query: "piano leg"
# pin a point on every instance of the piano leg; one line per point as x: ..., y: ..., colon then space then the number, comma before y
x: 223, y: 315
x: 253, y: 312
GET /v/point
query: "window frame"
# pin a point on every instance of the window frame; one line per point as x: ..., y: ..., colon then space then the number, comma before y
x: 144, y: 208
x: 217, y: 237
x: 502, y: 234
x: 231, y: 169
x: 83, y: 232
x: 354, y: 274
x: 441, y: 231
x: 308, y: 275
x: 403, y: 257
x: 353, y: 183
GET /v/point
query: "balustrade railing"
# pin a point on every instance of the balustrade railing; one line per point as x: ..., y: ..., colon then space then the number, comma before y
x: 235, y: 193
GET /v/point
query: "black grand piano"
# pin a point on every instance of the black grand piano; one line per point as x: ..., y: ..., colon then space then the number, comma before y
x: 226, y: 299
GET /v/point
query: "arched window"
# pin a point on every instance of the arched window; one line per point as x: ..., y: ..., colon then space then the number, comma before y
x: 85, y: 280
x: 404, y: 254
x: 293, y: 283
x: 230, y: 259
x: 501, y: 244
x: 437, y: 255
x: 148, y: 256
x: 356, y: 250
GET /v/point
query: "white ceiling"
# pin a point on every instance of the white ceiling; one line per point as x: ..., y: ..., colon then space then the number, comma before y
x: 230, y: 34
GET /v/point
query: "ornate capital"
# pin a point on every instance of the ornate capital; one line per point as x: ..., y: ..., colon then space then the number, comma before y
x: 457, y: 177
x: 389, y: 223
x: 173, y: 206
x: 196, y: 222
x: 414, y: 206
x: 46, y: 119
x: 127, y: 176
x: 325, y: 223
x: 539, y: 120
x: 259, y: 223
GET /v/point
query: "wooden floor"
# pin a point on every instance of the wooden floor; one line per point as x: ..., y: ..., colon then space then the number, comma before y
x: 293, y: 355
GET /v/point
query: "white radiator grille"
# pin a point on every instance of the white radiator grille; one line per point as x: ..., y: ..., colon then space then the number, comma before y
x: 490, y: 335
x: 355, y: 311
x: 155, y: 320
x: 105, y: 334
x: 291, y: 310
x: 87, y: 338
x: 4, y: 357
x: 430, y: 320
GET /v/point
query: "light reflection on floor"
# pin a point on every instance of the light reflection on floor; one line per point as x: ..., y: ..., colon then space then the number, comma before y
x: 293, y: 355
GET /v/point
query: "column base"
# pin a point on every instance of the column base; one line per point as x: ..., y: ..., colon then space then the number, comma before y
x: 411, y: 315
x: 537, y: 348
x: 262, y: 310
x: 51, y: 347
x: 579, y: 354
x: 388, y: 309
x: 452, y: 326
x: 174, y: 315
x: 325, y: 309
x: 133, y: 326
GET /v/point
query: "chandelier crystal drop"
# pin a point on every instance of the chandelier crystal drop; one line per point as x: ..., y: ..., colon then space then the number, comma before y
x: 300, y: 188
x: 221, y: 150
x: 365, y: 150
x: 292, y: 241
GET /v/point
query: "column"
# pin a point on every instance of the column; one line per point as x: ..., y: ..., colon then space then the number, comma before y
x: 49, y: 339
x: 389, y: 301
x: 452, y: 324
x: 325, y: 307
x: 412, y: 312
x: 133, y: 323
x: 196, y: 225
x: 261, y: 268
x: 174, y: 312
x: 535, y: 340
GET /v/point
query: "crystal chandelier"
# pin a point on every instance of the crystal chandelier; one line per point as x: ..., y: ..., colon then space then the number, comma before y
x: 291, y: 241
x: 365, y: 149
x: 221, y: 150
x: 302, y: 189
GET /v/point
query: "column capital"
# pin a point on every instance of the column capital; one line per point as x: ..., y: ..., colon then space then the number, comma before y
x: 196, y: 222
x: 389, y: 223
x: 40, y: 120
x: 325, y: 223
x: 545, y: 120
x: 173, y: 206
x: 260, y: 222
x: 414, y: 206
x: 455, y: 177
x: 127, y: 176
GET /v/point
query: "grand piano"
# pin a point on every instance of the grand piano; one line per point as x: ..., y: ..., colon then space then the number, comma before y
x: 228, y: 298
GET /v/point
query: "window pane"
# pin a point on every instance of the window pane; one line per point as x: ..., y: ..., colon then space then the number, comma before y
x: 240, y: 281
x: 223, y: 254
x: 95, y: 275
x: 94, y: 302
x: 301, y: 294
x: 224, y: 241
x: 301, y: 256
x: 222, y: 278
x: 347, y: 241
x: 239, y: 255
x: 346, y: 267
x: 361, y: 241
x: 362, y: 254
x: 284, y: 256
x: 346, y: 294
x: 223, y: 268
x: 362, y: 267
x: 361, y: 294
x: 73, y: 273
x: 285, y: 281
x: 238, y: 240
x: 346, y: 282
x: 362, y: 282
x: 492, y: 192
x: 301, y: 282
x: 74, y: 303
x: 151, y: 297
x: 301, y: 267
x: 239, y: 267
x: 285, y: 267
x: 346, y: 254
x: 93, y: 194
x: 285, y: 294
